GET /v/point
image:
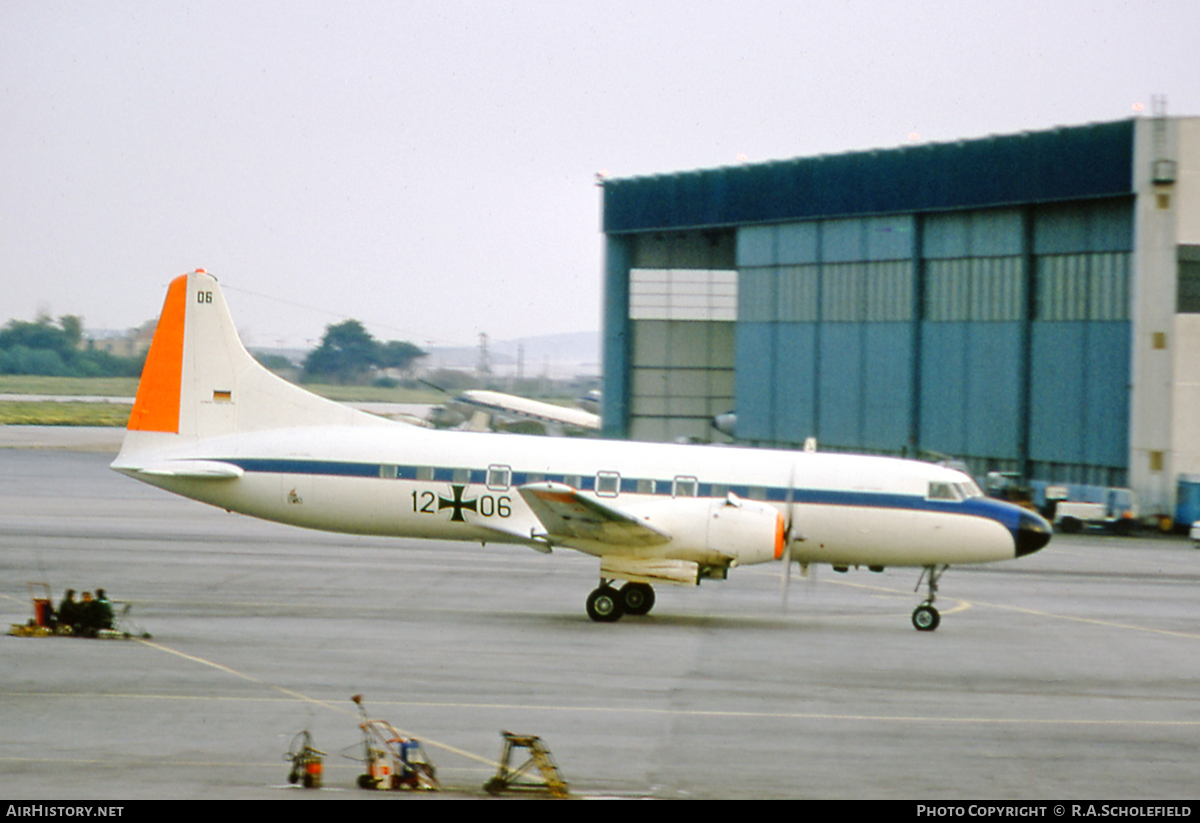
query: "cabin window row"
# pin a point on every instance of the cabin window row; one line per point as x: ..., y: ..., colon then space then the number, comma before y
x: 604, y: 483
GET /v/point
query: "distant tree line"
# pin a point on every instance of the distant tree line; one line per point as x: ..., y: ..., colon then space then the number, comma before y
x: 349, y: 354
x: 43, y: 347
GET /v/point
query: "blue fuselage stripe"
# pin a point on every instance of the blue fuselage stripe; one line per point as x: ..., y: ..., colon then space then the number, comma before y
x: 1003, y: 513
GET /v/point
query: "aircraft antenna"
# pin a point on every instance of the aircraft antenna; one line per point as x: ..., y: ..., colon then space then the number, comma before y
x: 484, y: 366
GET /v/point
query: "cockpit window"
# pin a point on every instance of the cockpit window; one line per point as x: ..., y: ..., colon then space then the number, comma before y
x: 943, y: 491
x: 969, y: 489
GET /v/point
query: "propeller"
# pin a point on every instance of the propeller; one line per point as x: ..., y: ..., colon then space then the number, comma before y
x: 786, y: 573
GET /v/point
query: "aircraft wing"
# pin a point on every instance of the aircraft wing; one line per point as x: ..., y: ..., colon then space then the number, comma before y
x: 568, y: 515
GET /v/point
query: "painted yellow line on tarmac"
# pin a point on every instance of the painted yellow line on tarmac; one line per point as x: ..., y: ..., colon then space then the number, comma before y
x: 964, y: 605
x: 1095, y: 621
x: 295, y: 695
x: 725, y: 713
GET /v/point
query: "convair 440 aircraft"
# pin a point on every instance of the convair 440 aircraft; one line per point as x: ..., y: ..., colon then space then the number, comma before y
x: 211, y: 424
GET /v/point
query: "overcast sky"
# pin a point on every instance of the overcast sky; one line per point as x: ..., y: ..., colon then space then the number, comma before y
x: 429, y: 167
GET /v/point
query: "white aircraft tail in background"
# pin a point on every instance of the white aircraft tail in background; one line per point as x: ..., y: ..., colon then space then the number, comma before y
x: 211, y: 424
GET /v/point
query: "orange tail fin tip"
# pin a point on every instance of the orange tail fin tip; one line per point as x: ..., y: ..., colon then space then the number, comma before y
x: 156, y: 407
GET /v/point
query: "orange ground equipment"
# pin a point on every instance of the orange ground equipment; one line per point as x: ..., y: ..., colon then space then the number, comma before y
x: 308, y: 765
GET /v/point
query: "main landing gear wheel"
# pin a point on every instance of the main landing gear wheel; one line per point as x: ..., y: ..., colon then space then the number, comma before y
x: 604, y: 605
x: 925, y: 618
x: 637, y: 598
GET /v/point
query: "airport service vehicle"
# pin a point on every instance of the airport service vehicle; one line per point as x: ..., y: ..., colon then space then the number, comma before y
x: 44, y: 622
x: 211, y: 424
x: 1119, y: 514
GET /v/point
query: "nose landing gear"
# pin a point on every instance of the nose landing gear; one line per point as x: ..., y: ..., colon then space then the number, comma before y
x: 925, y: 618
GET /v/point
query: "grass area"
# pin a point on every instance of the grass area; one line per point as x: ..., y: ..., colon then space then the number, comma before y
x: 97, y: 386
x: 53, y: 413
x: 375, y: 394
x: 127, y: 387
x: 57, y: 413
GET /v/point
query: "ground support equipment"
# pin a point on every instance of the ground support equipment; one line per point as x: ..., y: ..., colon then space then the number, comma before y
x: 509, y: 780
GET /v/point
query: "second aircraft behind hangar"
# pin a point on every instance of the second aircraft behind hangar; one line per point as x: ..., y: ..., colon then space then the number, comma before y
x: 211, y: 424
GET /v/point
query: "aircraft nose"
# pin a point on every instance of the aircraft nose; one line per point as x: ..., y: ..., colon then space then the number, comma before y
x: 1033, y: 532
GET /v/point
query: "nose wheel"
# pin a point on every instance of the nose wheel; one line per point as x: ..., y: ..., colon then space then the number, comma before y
x: 925, y: 618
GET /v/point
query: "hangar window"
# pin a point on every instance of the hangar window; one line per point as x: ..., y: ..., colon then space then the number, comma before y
x: 682, y: 294
x: 974, y: 288
x: 1188, y: 296
x: 1087, y: 286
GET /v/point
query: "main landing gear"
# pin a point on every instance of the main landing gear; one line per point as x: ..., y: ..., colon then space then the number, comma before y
x: 607, y: 605
x: 925, y: 617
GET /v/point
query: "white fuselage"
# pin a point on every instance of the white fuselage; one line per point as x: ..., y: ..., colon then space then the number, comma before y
x: 404, y: 481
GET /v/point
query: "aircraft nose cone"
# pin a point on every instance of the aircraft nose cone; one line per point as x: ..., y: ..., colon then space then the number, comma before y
x: 1033, y: 532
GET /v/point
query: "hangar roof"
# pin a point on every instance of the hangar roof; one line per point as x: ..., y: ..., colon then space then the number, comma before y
x: 1069, y: 163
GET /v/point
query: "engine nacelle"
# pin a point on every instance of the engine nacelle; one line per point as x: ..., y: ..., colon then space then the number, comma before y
x: 746, y: 530
x: 729, y: 529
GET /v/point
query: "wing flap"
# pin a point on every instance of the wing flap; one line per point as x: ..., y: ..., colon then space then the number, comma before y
x: 568, y: 515
x: 534, y: 540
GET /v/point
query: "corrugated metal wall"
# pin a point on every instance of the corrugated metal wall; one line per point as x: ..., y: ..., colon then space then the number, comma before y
x: 903, y: 333
x: 1080, y: 345
x: 972, y: 349
x: 825, y: 333
x: 969, y: 298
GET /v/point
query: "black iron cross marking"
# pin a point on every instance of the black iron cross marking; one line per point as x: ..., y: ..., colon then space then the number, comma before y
x: 458, y: 504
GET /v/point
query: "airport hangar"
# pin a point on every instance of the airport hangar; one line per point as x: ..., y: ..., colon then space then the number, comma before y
x: 1026, y: 303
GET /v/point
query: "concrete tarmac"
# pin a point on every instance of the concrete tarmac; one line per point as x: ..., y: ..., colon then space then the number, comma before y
x: 1069, y: 674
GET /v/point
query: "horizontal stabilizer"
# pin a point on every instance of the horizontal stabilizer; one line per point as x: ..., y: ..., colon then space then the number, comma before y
x: 568, y: 515
x: 195, y: 469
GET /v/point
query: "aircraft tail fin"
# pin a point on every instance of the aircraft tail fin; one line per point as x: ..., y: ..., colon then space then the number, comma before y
x: 199, y: 381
